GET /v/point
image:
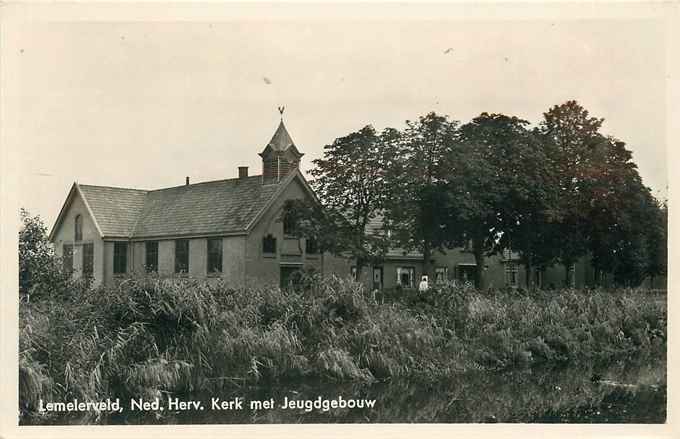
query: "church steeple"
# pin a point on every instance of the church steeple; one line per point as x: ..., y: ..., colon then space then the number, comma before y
x: 280, y: 156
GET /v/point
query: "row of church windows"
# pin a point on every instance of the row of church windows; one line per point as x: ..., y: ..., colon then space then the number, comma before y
x: 120, y: 257
x: 214, y: 256
x: 120, y: 254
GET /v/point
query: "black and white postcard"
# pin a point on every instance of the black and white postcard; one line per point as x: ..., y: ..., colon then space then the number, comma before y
x: 385, y: 219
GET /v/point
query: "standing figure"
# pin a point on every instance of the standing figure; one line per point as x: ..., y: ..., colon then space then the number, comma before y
x: 423, y: 286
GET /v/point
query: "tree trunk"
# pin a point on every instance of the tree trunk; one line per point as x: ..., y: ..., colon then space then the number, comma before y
x: 567, y: 271
x: 478, y: 251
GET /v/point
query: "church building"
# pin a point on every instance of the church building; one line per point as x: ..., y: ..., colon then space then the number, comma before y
x: 229, y: 229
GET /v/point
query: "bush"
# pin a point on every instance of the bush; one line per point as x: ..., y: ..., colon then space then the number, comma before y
x: 40, y: 271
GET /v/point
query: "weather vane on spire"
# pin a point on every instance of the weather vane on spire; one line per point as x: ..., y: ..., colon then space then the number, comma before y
x: 281, y: 109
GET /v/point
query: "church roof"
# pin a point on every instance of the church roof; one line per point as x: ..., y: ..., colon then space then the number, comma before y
x: 281, y: 140
x: 115, y: 209
x: 224, y: 206
x: 219, y: 207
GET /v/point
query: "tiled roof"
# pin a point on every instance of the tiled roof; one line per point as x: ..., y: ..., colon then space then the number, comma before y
x: 223, y: 206
x: 115, y: 209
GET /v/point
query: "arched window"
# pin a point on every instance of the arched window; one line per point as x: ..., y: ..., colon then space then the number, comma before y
x: 289, y: 224
x: 269, y: 244
x: 79, y: 228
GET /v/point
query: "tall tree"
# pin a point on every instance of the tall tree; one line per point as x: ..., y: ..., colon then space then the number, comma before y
x: 416, y: 211
x: 575, y: 135
x: 530, y: 211
x: 621, y: 214
x: 349, y: 181
x: 500, y: 182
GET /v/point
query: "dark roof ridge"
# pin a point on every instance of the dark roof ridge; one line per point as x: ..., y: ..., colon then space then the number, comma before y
x: 205, y: 182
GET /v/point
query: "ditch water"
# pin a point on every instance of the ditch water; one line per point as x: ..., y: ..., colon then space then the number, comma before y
x: 618, y: 393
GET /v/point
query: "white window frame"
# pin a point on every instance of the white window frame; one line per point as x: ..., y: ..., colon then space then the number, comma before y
x: 412, y: 276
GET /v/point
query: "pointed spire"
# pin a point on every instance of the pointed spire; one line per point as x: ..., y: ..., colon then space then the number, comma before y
x: 280, y: 157
x: 281, y: 140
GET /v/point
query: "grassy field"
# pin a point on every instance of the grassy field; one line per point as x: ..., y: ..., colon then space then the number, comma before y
x: 152, y: 337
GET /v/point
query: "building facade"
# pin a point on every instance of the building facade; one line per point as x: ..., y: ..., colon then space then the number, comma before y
x: 458, y: 266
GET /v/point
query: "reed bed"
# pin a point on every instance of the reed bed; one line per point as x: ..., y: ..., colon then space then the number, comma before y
x: 151, y: 337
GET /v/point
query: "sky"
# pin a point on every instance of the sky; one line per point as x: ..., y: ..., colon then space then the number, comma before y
x: 144, y: 104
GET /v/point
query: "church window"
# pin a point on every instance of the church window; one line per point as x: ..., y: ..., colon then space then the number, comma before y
x: 215, y: 255
x: 88, y: 260
x: 151, y: 262
x: 120, y: 257
x: 288, y: 224
x: 78, y: 228
x: 269, y: 244
x: 181, y: 256
x: 68, y: 258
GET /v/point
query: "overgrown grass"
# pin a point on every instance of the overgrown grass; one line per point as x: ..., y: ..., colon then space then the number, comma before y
x: 152, y: 337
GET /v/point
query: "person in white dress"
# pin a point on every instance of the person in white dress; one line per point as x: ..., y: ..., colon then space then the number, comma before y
x: 423, y: 285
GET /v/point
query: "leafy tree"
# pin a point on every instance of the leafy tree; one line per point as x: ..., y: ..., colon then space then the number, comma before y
x: 40, y: 270
x: 500, y: 182
x: 530, y: 211
x: 416, y: 213
x: 349, y: 181
x: 623, y: 215
x: 574, y: 134
x: 606, y: 211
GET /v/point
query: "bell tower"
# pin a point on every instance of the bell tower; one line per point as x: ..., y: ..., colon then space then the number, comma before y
x: 280, y: 156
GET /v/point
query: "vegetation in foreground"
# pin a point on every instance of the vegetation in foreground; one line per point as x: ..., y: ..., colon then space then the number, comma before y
x: 149, y: 337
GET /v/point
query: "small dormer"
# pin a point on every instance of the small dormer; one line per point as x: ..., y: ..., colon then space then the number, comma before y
x: 280, y: 157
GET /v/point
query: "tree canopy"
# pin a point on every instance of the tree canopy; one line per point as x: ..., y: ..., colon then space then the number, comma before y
x: 554, y: 193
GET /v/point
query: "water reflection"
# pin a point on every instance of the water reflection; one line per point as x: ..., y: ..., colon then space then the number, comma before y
x: 614, y: 394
